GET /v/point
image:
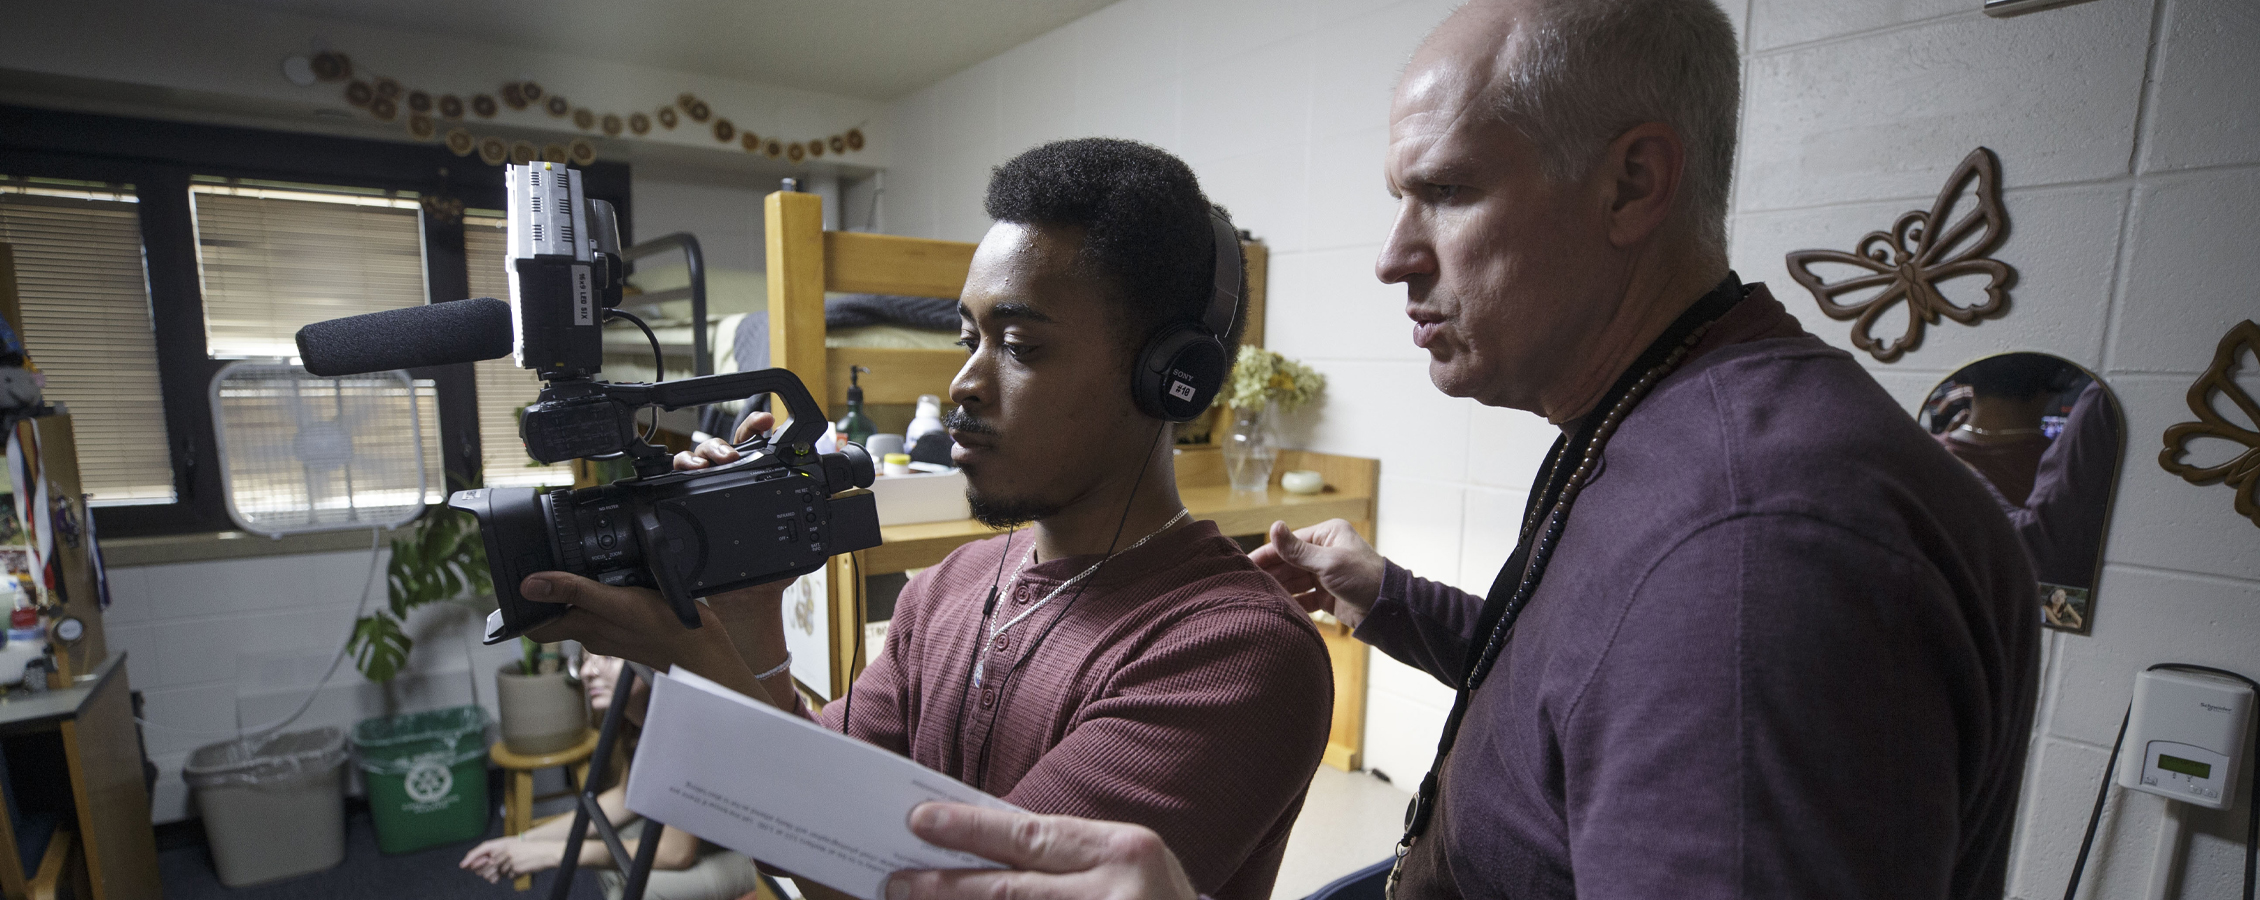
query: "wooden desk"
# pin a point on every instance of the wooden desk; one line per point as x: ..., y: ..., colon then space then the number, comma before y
x: 1351, y: 487
x: 924, y: 544
x: 1349, y: 494
x: 103, y: 752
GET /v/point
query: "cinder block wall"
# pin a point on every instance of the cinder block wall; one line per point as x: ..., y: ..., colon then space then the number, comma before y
x: 2129, y: 135
x: 215, y: 644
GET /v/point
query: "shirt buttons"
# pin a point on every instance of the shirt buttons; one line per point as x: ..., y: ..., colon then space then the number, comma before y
x: 1004, y: 641
x: 988, y: 698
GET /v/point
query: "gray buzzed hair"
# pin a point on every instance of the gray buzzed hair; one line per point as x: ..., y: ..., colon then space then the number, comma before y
x: 1582, y: 72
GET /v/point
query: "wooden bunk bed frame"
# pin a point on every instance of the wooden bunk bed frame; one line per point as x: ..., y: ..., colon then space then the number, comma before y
x: 805, y: 262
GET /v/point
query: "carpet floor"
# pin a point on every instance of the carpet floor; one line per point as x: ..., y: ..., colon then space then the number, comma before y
x: 184, y: 863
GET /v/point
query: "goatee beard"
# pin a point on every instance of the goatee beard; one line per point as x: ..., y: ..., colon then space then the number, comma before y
x: 1001, y: 513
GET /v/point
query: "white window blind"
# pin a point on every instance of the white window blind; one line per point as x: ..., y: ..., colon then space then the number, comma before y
x: 436, y: 487
x: 503, y: 387
x: 86, y: 324
x: 276, y: 257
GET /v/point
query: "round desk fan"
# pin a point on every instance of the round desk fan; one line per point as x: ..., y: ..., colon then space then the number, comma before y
x: 300, y: 453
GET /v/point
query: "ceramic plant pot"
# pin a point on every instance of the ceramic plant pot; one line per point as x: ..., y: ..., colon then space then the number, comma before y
x: 540, y: 713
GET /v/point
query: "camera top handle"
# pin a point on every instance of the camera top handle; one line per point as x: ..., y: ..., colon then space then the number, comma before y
x: 805, y: 425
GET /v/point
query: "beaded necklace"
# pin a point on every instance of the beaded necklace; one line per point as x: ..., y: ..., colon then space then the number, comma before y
x: 1551, y: 498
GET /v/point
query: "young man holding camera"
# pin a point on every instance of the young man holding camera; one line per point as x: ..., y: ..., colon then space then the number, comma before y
x: 1114, y: 659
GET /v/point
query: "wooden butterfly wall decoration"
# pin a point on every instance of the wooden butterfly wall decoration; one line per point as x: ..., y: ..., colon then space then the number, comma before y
x: 1906, y: 263
x: 2240, y: 347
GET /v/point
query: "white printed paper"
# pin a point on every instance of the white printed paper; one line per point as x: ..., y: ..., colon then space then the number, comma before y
x: 785, y: 791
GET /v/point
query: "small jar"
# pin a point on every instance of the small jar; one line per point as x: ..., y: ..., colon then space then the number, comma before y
x: 895, y: 464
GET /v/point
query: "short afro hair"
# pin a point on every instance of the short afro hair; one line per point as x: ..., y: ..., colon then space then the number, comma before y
x: 1145, y: 225
x: 2018, y: 376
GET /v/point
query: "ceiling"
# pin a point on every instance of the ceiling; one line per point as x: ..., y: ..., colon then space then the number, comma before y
x: 872, y: 49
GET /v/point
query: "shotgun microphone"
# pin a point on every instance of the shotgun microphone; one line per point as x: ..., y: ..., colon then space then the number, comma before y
x: 434, y: 335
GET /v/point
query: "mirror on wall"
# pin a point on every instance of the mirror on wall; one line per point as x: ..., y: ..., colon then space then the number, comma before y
x: 2044, y: 435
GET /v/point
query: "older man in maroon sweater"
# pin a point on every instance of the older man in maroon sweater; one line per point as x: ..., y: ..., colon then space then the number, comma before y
x: 1761, y: 637
x: 1115, y: 660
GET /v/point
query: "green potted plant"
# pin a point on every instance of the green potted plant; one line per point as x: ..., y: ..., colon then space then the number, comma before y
x: 542, y: 707
x: 425, y: 771
x: 1263, y: 385
x: 441, y: 560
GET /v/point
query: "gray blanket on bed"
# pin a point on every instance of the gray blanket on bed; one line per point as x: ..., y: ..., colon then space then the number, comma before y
x: 859, y: 310
x: 751, y: 346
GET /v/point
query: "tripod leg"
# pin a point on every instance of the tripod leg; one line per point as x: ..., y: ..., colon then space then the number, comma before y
x: 591, y: 785
x: 647, y: 851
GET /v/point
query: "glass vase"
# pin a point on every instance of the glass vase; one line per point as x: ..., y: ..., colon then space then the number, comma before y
x: 1250, y: 448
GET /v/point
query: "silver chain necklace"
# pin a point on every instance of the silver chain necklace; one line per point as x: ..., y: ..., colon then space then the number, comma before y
x: 981, y: 657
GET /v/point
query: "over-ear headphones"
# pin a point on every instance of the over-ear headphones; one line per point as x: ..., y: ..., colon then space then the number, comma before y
x: 1183, y: 367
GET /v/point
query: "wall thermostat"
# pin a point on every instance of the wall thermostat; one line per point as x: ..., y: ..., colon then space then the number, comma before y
x: 2187, y: 734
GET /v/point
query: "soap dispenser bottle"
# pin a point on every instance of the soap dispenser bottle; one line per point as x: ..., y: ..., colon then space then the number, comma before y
x: 855, y: 427
x: 927, y: 421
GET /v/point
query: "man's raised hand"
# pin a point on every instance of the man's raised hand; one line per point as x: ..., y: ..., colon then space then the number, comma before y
x: 716, y: 451
x: 1327, y: 567
x: 1049, y: 858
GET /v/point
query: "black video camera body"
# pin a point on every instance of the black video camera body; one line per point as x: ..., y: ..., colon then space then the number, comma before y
x: 779, y: 512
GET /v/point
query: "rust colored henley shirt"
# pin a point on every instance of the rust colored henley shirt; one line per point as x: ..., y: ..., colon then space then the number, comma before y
x: 1183, y: 691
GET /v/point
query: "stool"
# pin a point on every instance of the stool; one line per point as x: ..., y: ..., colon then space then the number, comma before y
x: 518, y: 798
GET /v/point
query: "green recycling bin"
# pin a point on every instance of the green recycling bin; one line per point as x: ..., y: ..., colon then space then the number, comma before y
x: 427, y: 776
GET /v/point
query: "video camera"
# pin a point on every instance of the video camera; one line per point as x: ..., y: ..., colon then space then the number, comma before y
x: 779, y: 511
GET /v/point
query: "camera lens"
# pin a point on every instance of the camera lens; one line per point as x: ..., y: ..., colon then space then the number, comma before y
x: 512, y: 526
x: 593, y: 533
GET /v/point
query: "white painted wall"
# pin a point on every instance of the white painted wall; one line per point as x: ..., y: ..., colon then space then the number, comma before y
x: 2125, y: 131
x: 223, y: 63
x: 2129, y: 133
x: 722, y: 211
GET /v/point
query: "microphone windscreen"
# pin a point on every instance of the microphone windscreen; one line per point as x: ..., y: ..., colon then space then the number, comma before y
x: 434, y: 335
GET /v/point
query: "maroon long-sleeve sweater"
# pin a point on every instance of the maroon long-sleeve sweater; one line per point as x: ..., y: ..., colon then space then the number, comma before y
x: 1184, y: 691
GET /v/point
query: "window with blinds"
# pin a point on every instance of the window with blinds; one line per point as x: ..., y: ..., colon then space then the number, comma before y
x: 503, y: 387
x: 86, y: 324
x: 275, y: 257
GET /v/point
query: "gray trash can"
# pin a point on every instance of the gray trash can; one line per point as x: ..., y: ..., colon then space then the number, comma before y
x: 273, y: 806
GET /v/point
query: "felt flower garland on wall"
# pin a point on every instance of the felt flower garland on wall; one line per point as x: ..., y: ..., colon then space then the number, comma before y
x: 424, y: 114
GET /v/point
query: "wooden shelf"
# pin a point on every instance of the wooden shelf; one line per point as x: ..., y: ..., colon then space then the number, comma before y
x: 1350, y: 486
x: 1235, y: 513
